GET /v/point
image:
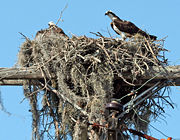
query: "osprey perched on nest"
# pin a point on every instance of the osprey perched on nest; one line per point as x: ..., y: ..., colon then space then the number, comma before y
x: 52, y: 31
x: 126, y: 28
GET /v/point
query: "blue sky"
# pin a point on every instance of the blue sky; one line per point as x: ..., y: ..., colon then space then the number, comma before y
x: 158, y: 17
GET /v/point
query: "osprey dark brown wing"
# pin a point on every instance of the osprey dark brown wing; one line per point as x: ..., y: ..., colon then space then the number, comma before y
x: 126, y: 27
x: 58, y: 30
x: 131, y: 29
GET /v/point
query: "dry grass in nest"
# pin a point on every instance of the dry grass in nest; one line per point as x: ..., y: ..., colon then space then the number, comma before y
x: 84, y: 74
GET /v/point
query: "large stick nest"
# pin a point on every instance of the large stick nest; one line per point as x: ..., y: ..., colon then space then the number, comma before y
x: 81, y: 75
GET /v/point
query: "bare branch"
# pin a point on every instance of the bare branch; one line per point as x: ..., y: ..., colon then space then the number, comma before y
x: 27, y: 39
x: 61, y: 14
x: 97, y: 34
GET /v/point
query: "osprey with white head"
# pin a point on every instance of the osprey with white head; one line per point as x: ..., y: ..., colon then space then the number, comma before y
x: 111, y: 15
x: 126, y: 28
x: 51, y: 23
x: 52, y: 31
x: 56, y: 30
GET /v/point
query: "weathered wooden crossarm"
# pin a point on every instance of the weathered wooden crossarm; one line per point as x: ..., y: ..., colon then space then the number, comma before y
x: 170, y: 72
x: 10, y: 82
x: 20, y: 73
x: 15, y: 76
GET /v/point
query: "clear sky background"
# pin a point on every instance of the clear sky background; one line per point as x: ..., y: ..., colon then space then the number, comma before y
x: 158, y: 17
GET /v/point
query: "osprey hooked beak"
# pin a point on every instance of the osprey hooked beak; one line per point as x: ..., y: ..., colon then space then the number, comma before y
x: 51, y: 24
x: 109, y: 13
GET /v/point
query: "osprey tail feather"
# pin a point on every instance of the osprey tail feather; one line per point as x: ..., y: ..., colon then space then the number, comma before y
x: 147, y: 35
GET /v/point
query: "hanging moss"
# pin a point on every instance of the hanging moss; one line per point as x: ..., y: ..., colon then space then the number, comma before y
x: 83, y: 74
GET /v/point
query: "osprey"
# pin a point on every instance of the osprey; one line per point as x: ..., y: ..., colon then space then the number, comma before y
x: 52, y: 31
x: 56, y: 29
x: 126, y: 28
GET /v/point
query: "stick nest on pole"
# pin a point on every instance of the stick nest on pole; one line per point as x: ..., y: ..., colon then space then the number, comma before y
x: 82, y: 75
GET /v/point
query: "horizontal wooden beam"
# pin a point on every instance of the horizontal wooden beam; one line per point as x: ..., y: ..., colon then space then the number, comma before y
x: 16, y: 76
x: 11, y: 82
x: 168, y: 72
x: 20, y: 73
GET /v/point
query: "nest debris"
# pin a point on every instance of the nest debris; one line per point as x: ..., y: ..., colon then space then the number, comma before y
x: 81, y: 75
